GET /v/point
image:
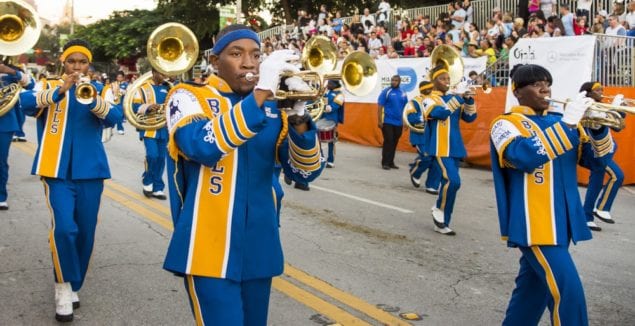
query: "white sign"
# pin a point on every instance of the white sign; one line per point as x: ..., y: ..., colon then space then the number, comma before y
x: 569, y: 59
x: 412, y: 71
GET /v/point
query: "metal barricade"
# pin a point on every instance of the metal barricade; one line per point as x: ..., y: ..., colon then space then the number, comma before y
x: 614, y: 60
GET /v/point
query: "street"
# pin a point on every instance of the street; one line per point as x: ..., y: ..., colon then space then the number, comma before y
x: 359, y: 246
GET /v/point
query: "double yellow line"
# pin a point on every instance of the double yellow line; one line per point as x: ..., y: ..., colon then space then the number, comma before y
x: 160, y: 214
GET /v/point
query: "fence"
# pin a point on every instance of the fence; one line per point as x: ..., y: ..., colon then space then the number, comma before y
x: 614, y: 60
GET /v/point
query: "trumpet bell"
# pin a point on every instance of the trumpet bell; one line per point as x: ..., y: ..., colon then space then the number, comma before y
x: 85, y: 93
x: 172, y: 49
x: 20, y: 27
x: 451, y: 59
x: 359, y: 73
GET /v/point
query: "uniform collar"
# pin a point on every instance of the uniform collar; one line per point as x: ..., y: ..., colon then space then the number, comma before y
x: 218, y: 83
x: 437, y: 93
x: 525, y: 110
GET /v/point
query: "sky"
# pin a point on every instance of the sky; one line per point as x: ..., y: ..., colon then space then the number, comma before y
x: 89, y: 11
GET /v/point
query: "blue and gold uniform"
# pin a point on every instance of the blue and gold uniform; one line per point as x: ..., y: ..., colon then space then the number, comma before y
x: 444, y: 142
x: 154, y: 141
x: 539, y: 209
x: 415, y: 113
x: 9, y: 124
x: 72, y: 163
x: 222, y: 154
x: 335, y: 99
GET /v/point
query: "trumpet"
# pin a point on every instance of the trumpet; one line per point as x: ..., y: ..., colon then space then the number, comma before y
x: 20, y: 28
x: 627, y: 101
x: 85, y: 92
x: 601, y: 114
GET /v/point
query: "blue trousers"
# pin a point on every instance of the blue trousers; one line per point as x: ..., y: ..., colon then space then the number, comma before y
x: 224, y: 302
x: 425, y: 162
x: 450, y: 184
x: 156, y: 151
x: 5, y: 144
x: 331, y: 158
x: 120, y: 125
x: 21, y: 118
x: 547, y: 278
x: 606, y: 193
x: 74, y: 205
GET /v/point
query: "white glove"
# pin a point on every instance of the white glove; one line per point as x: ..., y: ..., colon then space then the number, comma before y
x: 328, y: 108
x: 272, y: 68
x: 618, y: 99
x: 296, y: 83
x: 299, y: 108
x: 574, y: 111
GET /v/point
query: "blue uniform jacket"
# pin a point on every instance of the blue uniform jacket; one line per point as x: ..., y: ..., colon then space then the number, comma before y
x: 69, y: 133
x: 335, y: 98
x: 222, y: 154
x: 393, y: 100
x: 443, y: 133
x: 534, y: 165
x: 149, y: 93
x: 9, y: 121
x: 597, y: 153
x: 415, y: 113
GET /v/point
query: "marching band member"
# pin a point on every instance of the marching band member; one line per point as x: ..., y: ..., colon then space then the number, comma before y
x: 334, y: 111
x: 444, y: 142
x: 224, y: 141
x: 599, y: 198
x: 122, y: 84
x: 534, y: 157
x: 9, y: 125
x: 72, y: 164
x: 415, y: 111
x: 150, y: 98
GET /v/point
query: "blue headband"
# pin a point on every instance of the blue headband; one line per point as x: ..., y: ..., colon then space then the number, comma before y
x: 233, y: 36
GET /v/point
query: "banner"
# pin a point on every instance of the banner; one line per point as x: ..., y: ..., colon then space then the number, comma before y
x: 412, y: 71
x: 569, y: 60
x: 226, y: 14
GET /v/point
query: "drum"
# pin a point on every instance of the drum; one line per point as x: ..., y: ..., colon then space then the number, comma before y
x: 326, y: 130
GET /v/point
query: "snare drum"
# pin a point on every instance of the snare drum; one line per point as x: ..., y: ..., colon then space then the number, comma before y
x: 326, y: 130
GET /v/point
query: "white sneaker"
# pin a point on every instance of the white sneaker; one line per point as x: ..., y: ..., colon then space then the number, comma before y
x: 444, y: 230
x: 121, y: 132
x: 415, y: 182
x: 432, y: 191
x: 159, y: 195
x: 4, y: 206
x: 604, y: 216
x: 63, y: 302
x: 593, y: 226
x: 438, y: 217
x: 75, y: 300
x: 147, y: 190
x: 330, y: 165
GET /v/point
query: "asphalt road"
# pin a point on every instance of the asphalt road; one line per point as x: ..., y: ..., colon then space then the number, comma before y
x: 359, y: 246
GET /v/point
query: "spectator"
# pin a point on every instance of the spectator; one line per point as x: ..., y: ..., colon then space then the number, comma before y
x: 368, y: 21
x: 383, y: 11
x: 425, y: 25
x: 615, y: 28
x: 469, y: 11
x: 584, y: 8
x: 580, y: 25
x: 337, y: 22
x: 472, y: 50
x: 539, y: 31
x: 488, y: 50
x: 602, y: 18
x: 374, y: 44
x: 493, y: 30
x: 618, y: 10
x: 458, y: 17
x: 323, y: 13
x: 630, y: 17
x: 567, y: 19
x: 392, y: 54
x: 356, y: 26
x: 519, y: 28
x: 385, y: 38
x: 382, y: 54
x: 473, y: 32
x: 408, y: 49
x: 547, y: 7
x: 533, y: 6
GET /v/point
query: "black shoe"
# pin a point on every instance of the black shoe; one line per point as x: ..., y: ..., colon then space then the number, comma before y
x: 147, y: 190
x: 415, y: 182
x: 287, y: 180
x: 330, y: 165
x: 159, y: 195
x: 385, y: 167
x: 393, y: 166
x: 75, y: 304
x: 593, y: 226
x: 64, y: 318
x: 4, y: 206
x: 432, y: 191
x: 301, y: 186
x: 22, y: 139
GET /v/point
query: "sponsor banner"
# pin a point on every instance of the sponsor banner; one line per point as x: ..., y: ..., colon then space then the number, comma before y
x: 569, y: 60
x: 412, y: 71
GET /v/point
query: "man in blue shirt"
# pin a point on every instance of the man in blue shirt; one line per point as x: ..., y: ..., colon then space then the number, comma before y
x: 567, y: 19
x: 392, y: 101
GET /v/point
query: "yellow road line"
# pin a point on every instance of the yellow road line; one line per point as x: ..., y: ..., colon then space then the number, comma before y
x: 344, y: 297
x: 314, y: 302
x: 118, y: 193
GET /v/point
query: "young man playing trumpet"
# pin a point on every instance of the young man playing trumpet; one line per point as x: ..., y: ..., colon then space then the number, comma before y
x: 225, y: 139
x: 72, y: 164
x: 599, y: 198
x: 9, y: 123
x: 148, y: 100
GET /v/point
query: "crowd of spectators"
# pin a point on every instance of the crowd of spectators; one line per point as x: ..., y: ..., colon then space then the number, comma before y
x: 417, y: 36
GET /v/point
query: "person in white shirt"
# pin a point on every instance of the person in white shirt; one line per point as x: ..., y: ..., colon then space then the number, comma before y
x: 368, y: 21
x: 374, y: 44
x: 382, y: 54
x: 615, y: 28
x: 547, y: 7
x: 469, y: 11
x: 382, y: 11
x: 458, y: 17
x: 630, y: 15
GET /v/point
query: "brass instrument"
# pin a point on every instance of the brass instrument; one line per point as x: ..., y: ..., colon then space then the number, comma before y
x: 85, y: 92
x: 601, y: 114
x: 627, y: 101
x: 20, y: 28
x: 172, y: 49
x: 319, y: 58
